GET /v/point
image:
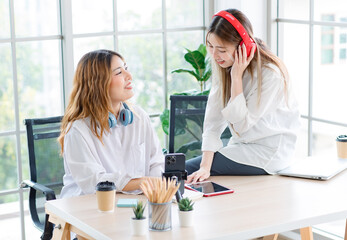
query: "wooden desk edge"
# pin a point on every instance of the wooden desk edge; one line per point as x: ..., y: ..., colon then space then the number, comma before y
x: 62, y: 228
x: 57, y: 218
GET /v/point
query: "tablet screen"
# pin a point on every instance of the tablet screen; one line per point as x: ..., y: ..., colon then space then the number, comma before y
x: 208, y: 187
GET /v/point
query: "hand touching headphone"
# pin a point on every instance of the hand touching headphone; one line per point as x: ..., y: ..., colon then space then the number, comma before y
x: 249, y: 42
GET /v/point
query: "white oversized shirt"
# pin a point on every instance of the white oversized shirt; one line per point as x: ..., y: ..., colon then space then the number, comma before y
x: 127, y: 152
x: 264, y: 134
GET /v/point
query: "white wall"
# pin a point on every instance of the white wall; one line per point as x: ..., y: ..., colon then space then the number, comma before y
x: 255, y: 10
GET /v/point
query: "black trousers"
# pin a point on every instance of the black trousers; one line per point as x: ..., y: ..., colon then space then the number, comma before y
x: 222, y: 165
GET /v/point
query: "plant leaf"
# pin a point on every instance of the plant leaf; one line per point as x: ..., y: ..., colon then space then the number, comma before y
x: 185, y: 204
x: 196, y: 59
x: 180, y: 125
x: 191, y: 92
x: 138, y: 210
x: 206, y: 92
x: 200, y: 73
x: 189, y: 146
x: 188, y: 50
x: 187, y: 71
x: 202, y: 49
x: 206, y: 75
x: 164, y: 119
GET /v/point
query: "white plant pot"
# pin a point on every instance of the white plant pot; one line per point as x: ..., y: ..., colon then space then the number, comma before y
x: 140, y: 226
x: 185, y: 218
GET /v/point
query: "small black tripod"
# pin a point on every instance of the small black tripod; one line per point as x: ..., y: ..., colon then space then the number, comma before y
x: 179, y: 177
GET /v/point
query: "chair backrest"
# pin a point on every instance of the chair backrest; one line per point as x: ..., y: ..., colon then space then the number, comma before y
x: 45, y: 162
x: 187, y: 115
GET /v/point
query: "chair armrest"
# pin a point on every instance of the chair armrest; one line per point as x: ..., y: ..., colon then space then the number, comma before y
x: 49, y: 193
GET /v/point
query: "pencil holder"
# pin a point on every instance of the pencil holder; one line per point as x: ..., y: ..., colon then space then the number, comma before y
x: 159, y: 216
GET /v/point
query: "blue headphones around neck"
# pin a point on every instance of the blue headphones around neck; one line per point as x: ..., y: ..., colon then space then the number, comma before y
x: 125, y: 117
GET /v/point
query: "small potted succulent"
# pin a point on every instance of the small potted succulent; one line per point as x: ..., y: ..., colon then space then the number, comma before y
x: 139, y: 221
x: 185, y: 213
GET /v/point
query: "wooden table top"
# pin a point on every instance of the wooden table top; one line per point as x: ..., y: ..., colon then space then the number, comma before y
x: 260, y: 205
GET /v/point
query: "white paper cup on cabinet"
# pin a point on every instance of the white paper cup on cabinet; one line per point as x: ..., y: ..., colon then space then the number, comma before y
x: 341, y: 144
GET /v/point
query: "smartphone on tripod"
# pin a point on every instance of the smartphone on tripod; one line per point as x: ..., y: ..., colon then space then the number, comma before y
x: 175, y: 162
x: 175, y: 165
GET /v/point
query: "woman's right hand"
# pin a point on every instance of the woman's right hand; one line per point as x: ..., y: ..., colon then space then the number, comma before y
x: 198, y: 176
x: 241, y: 61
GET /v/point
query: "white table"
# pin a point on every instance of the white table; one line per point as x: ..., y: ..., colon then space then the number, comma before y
x: 260, y: 206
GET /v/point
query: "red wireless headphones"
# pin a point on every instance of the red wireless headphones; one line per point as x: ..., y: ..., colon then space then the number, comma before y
x: 249, y: 42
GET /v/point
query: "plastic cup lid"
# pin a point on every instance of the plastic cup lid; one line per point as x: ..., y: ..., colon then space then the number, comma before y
x: 342, y: 138
x: 105, y: 186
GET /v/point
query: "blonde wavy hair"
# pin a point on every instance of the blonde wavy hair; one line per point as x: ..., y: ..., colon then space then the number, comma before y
x: 263, y: 55
x: 90, y: 94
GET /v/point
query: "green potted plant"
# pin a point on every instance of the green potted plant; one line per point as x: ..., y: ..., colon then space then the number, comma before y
x: 188, y: 128
x: 201, y: 71
x: 185, y: 213
x: 139, y: 222
x: 199, y: 60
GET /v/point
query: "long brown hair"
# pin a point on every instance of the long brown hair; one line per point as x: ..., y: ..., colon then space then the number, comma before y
x: 263, y: 56
x: 90, y: 93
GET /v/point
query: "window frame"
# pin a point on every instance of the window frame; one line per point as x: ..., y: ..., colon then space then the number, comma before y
x: 273, y: 22
x: 66, y: 61
x: 273, y: 35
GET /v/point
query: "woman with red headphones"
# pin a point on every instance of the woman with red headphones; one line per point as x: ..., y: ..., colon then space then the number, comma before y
x: 101, y: 139
x: 251, y: 95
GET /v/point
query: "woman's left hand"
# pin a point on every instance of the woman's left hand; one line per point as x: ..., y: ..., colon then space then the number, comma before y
x: 241, y: 61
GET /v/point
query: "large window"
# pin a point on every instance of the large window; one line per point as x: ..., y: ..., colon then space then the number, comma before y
x: 41, y: 42
x: 312, y: 43
x: 31, y: 86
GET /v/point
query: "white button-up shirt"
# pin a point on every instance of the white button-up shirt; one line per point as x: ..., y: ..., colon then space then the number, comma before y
x: 127, y: 152
x: 264, y: 134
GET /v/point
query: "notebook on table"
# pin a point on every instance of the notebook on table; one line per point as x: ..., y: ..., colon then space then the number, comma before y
x: 320, y: 168
x: 192, y: 195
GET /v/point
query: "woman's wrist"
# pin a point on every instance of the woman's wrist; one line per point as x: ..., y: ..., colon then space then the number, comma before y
x: 236, y: 78
x: 236, y: 88
x: 206, y: 161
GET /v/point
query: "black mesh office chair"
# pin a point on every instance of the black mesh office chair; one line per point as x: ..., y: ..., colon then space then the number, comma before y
x: 46, y: 168
x: 186, y: 124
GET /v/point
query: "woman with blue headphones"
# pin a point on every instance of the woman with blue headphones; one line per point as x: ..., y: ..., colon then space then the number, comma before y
x: 251, y: 95
x: 102, y: 139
